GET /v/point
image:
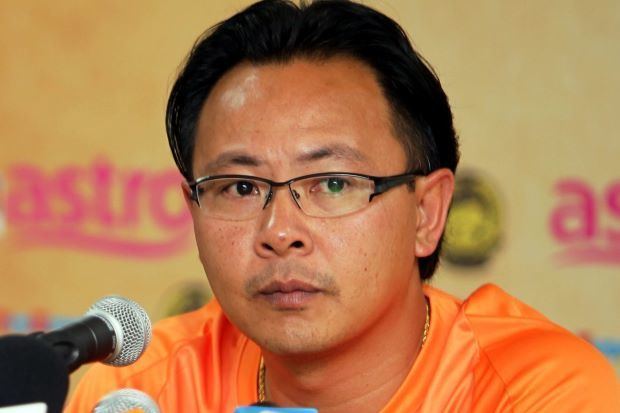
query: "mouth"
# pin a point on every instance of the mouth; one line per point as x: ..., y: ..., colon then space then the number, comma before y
x: 289, y: 295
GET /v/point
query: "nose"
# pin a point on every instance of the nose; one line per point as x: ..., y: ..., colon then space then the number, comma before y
x: 283, y: 230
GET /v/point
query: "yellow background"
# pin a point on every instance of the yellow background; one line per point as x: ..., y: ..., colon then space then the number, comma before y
x: 533, y: 85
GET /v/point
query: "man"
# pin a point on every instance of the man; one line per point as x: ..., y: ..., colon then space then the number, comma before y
x: 319, y: 154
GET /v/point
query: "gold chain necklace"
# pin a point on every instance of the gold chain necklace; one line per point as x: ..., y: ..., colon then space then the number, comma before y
x: 261, y: 367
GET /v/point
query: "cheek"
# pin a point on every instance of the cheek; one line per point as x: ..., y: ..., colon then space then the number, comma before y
x: 386, y: 228
x: 398, y: 227
x: 366, y: 250
x: 351, y: 250
x: 223, y: 248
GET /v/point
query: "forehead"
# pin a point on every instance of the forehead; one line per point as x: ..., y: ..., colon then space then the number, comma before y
x: 280, y: 113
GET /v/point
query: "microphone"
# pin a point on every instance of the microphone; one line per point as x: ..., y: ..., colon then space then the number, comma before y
x: 115, y: 331
x: 36, y: 367
x: 126, y: 400
x: 31, y: 371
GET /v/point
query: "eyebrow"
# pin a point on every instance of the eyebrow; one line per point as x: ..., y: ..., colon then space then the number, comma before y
x: 234, y: 158
x: 241, y: 158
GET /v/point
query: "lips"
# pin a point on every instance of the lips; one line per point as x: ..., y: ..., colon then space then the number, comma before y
x: 290, y: 294
x: 288, y: 287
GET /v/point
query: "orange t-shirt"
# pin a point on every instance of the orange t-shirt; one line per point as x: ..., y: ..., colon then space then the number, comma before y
x: 489, y: 353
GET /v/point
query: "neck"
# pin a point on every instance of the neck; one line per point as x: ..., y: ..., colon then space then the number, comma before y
x: 360, y: 375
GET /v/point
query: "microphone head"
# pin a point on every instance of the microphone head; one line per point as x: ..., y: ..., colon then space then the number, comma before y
x: 131, y: 326
x: 125, y: 400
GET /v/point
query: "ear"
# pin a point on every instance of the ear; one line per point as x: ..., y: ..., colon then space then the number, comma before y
x: 434, y: 194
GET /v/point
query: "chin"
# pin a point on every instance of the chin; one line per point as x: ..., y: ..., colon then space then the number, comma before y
x: 293, y: 343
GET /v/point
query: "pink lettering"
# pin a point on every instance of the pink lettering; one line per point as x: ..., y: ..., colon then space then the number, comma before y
x: 131, y: 198
x: 575, y: 218
x: 102, y: 186
x: 67, y: 181
x: 99, y: 208
x: 161, y: 188
x: 576, y: 225
x: 106, y: 244
x: 612, y: 198
x: 27, y: 201
x: 588, y: 254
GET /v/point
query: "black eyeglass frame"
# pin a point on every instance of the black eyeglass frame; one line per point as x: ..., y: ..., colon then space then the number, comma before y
x: 382, y: 183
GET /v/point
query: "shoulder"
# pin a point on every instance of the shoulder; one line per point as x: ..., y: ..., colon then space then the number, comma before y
x: 541, y: 365
x: 170, y: 334
x: 149, y: 373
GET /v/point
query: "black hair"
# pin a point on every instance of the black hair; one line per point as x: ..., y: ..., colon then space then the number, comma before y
x: 277, y: 31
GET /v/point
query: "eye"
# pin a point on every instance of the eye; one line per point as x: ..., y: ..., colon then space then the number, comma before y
x: 244, y: 188
x: 241, y: 189
x: 331, y: 185
x: 335, y: 185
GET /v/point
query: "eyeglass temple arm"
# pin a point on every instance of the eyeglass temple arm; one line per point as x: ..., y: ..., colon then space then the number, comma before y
x: 384, y: 184
x: 193, y: 191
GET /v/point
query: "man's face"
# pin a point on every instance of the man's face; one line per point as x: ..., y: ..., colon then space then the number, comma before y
x: 297, y: 284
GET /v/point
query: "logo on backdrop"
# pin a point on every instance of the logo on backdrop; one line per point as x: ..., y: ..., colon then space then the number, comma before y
x: 473, y: 231
x: 99, y: 208
x: 586, y: 222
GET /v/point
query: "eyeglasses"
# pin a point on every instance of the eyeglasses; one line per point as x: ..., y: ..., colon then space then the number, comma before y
x: 323, y: 195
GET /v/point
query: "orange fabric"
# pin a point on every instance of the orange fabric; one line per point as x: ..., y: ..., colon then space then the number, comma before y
x: 490, y: 353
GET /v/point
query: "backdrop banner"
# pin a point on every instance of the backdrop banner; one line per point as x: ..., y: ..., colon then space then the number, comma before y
x: 91, y: 202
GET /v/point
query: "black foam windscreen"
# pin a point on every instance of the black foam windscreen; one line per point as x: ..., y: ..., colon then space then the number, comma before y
x: 31, y: 371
